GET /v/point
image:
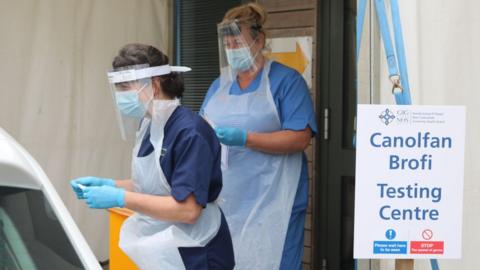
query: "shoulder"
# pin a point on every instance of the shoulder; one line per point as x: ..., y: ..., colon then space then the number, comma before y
x: 280, y: 70
x: 211, y: 90
x: 192, y: 127
x: 215, y: 85
x: 184, y: 119
x: 285, y: 81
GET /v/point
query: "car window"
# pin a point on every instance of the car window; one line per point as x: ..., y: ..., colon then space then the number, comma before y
x: 31, y: 237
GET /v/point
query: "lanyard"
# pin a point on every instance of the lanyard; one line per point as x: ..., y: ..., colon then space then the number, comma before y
x: 396, y: 60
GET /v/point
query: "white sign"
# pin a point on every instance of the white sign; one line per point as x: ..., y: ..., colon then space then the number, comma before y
x: 409, y: 181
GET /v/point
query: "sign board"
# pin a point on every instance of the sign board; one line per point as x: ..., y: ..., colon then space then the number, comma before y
x: 409, y: 181
x: 294, y: 52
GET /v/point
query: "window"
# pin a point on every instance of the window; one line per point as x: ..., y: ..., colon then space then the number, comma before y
x: 197, y: 44
x: 31, y: 237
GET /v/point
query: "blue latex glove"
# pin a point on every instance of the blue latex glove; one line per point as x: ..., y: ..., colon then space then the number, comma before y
x: 104, y: 197
x: 231, y: 136
x: 89, y: 181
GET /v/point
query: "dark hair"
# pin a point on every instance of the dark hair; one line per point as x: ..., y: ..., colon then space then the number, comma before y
x: 137, y: 54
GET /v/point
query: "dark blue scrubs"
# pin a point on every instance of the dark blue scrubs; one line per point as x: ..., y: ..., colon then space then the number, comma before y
x: 191, y: 164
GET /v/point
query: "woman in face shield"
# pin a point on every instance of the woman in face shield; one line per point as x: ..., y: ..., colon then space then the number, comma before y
x: 176, y: 175
x: 263, y: 114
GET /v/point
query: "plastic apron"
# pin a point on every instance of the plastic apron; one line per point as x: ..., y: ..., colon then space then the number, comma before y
x: 258, y: 188
x: 152, y: 243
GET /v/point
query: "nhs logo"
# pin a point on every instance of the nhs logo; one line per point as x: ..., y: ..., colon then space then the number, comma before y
x: 388, y: 116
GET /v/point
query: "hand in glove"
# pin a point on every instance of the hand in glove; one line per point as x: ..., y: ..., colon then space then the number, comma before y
x: 231, y: 136
x: 101, y: 197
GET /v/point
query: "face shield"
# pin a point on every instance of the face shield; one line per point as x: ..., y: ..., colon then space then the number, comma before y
x: 132, y: 92
x: 235, y: 49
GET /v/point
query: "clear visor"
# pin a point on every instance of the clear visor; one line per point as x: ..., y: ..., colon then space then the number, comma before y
x: 133, y: 93
x: 235, y: 49
x: 132, y: 97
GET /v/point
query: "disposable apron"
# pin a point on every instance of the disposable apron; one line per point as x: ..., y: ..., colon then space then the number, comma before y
x: 258, y: 188
x: 152, y: 243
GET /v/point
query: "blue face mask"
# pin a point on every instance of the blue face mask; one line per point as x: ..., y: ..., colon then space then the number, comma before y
x: 129, y: 104
x: 240, y: 59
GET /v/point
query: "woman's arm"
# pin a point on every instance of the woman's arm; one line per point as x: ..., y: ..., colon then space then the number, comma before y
x: 164, y: 207
x: 295, y: 109
x: 279, y: 142
x: 126, y: 184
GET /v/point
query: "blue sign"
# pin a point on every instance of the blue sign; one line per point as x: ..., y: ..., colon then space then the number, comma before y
x: 390, y: 247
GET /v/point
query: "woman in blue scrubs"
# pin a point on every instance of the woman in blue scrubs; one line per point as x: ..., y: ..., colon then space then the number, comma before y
x: 263, y: 113
x: 176, y: 175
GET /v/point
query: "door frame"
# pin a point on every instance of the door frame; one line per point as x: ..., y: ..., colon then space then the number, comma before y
x: 334, y: 160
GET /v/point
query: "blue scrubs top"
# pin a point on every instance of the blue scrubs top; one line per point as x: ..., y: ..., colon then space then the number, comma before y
x: 191, y: 164
x: 295, y: 108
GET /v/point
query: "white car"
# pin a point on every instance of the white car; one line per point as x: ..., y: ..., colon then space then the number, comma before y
x: 36, y: 229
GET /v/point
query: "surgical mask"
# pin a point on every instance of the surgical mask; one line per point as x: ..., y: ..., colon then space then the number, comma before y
x: 129, y: 103
x: 240, y: 58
